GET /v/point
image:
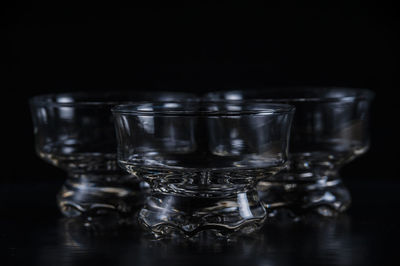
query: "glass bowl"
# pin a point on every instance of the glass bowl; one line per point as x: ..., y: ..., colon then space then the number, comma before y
x: 330, y: 129
x: 202, y: 161
x: 75, y: 132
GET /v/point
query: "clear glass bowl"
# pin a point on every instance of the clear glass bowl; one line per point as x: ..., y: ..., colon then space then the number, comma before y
x: 202, y: 161
x: 75, y: 132
x: 330, y: 129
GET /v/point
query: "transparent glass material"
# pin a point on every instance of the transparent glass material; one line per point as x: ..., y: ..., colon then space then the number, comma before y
x: 330, y: 129
x: 202, y: 161
x: 75, y: 132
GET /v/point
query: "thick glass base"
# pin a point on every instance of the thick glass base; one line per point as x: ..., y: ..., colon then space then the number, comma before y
x: 93, y: 195
x: 168, y: 215
x: 324, y: 196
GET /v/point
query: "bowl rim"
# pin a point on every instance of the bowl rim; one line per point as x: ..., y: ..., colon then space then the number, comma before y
x: 92, y: 98
x: 261, y: 95
x: 201, y: 108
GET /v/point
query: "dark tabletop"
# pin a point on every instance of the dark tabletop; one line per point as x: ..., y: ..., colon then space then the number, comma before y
x: 33, y: 232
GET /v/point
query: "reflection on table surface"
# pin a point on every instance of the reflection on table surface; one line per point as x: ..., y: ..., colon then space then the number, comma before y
x: 281, y: 242
x: 38, y: 235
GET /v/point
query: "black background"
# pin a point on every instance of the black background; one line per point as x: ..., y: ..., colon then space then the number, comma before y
x: 75, y: 46
x: 65, y: 46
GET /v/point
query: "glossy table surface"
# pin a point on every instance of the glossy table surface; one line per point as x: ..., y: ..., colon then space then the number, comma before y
x: 32, y: 232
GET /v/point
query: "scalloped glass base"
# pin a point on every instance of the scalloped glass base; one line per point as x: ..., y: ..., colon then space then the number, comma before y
x: 173, y: 215
x: 324, y: 197
x: 95, y: 195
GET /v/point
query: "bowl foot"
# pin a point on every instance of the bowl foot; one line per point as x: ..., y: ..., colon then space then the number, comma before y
x: 166, y: 215
x: 93, y: 196
x: 324, y: 197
